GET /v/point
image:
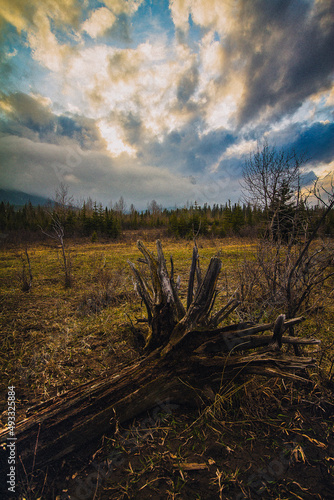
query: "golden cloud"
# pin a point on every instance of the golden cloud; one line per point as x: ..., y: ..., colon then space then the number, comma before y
x: 114, y: 138
x: 45, y: 47
x: 21, y: 14
x: 123, y: 6
x: 34, y: 18
x: 99, y: 22
x: 32, y: 108
x: 214, y: 14
x: 142, y: 81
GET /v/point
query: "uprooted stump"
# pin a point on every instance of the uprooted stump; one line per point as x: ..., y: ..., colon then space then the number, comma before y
x: 188, y: 356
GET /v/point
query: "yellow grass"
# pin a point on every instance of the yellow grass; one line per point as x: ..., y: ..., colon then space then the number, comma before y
x: 52, y: 338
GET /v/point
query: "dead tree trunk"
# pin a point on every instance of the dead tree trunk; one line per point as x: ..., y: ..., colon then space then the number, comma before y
x: 186, y: 350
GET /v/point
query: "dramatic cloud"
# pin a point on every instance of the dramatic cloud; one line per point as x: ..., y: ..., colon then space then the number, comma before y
x: 280, y: 51
x: 25, y: 16
x: 30, y: 116
x: 99, y: 22
x: 40, y: 167
x: 33, y: 111
x: 148, y: 99
x: 292, y: 58
x: 317, y: 142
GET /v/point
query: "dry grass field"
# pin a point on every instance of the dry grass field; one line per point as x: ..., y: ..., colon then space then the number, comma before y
x: 259, y: 439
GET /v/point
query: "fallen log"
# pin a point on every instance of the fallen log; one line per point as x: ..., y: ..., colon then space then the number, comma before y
x: 185, y: 350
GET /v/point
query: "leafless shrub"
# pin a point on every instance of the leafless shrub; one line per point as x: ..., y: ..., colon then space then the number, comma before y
x: 291, y: 276
x: 109, y: 288
x: 274, y: 280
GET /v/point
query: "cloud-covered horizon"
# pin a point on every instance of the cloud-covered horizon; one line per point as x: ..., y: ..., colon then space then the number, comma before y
x: 161, y: 100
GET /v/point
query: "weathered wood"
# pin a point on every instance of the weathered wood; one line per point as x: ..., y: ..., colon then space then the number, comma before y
x: 197, y: 314
x: 83, y: 415
x: 226, y: 339
x: 224, y: 312
x: 194, y: 264
x: 185, y: 351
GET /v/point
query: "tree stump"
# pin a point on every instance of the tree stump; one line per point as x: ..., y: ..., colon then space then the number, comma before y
x: 185, y: 352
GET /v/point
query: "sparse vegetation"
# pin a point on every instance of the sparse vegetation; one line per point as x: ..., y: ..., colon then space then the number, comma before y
x: 54, y: 338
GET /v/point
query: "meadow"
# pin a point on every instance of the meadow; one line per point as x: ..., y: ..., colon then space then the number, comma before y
x: 268, y: 438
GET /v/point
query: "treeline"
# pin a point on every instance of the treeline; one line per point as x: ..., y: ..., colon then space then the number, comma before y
x: 94, y: 220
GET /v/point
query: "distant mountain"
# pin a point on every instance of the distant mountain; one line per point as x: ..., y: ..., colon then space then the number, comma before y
x: 19, y: 198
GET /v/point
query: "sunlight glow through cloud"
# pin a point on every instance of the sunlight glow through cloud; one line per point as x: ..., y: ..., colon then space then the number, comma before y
x: 185, y: 87
x: 113, y: 136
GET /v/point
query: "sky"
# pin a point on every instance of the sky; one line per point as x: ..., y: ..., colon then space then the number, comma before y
x: 158, y: 99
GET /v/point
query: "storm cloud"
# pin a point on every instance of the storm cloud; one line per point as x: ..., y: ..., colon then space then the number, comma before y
x: 317, y: 142
x: 290, y: 56
x: 161, y: 101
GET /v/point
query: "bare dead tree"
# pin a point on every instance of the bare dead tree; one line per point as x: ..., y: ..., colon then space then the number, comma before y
x: 266, y: 170
x: 269, y: 177
x: 57, y: 233
x: 63, y: 203
x: 120, y: 206
x: 154, y: 208
x: 26, y: 279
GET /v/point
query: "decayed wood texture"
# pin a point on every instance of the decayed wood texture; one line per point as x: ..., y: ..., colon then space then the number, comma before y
x: 185, y: 351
